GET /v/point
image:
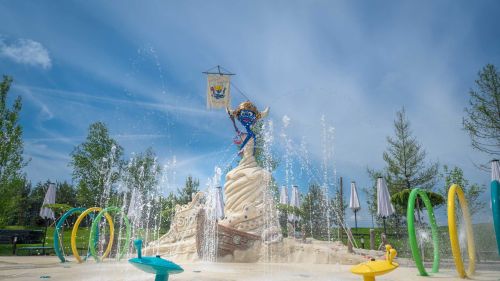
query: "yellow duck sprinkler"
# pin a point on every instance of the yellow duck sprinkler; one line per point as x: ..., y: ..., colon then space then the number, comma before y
x: 373, y: 268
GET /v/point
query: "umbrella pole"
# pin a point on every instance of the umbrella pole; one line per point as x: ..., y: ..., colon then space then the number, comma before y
x: 44, y: 236
x: 356, y: 221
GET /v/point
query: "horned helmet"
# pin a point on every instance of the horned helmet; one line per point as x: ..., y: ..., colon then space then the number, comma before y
x: 247, y: 113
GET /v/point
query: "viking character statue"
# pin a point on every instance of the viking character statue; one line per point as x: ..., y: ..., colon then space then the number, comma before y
x: 247, y: 114
x: 245, y: 184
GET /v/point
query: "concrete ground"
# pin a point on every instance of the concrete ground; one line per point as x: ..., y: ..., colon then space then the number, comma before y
x: 49, y: 268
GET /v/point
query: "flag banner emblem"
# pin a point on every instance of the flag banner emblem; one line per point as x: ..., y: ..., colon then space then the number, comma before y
x: 218, y: 94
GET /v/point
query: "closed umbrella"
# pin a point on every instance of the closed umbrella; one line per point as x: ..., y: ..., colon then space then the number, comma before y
x: 50, y: 198
x: 219, y: 203
x: 495, y: 170
x: 45, y: 212
x: 294, y: 202
x: 384, y: 205
x: 495, y: 198
x: 354, y: 203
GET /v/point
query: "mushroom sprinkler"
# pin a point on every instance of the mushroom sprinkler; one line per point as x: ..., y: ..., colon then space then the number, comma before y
x: 156, y: 265
x: 373, y: 268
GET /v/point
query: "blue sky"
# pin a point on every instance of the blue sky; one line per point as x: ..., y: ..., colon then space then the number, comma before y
x: 136, y: 65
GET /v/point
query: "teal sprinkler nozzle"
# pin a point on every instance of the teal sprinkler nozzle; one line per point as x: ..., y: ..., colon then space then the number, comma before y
x: 138, y: 246
x: 161, y: 267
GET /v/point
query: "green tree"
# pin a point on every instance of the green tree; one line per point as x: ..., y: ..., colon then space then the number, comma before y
x: 66, y: 194
x: 371, y: 195
x: 472, y: 191
x: 184, y: 196
x: 314, y: 217
x: 35, y: 200
x: 264, y: 155
x: 141, y: 177
x: 337, y: 209
x: 13, y: 205
x: 12, y: 179
x: 167, y: 211
x: 405, y: 159
x: 22, y: 188
x: 11, y: 144
x: 372, y: 210
x: 142, y: 172
x: 406, y: 167
x: 96, y: 166
x: 191, y: 187
x: 482, y: 121
x: 401, y: 199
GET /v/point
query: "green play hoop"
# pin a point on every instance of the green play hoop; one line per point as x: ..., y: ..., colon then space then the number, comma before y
x: 411, y: 231
x: 93, y: 230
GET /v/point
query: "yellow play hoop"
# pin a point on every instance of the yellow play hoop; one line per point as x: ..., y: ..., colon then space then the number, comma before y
x: 75, y: 231
x: 452, y: 227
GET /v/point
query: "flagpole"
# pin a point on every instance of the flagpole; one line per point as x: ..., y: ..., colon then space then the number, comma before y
x: 218, y: 71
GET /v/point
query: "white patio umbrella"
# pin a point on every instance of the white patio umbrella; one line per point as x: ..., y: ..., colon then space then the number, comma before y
x: 219, y: 203
x: 354, y: 203
x: 47, y: 213
x: 384, y: 205
x: 294, y: 202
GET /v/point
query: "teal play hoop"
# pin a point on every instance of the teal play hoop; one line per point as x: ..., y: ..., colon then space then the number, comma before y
x: 95, y: 223
x: 410, y: 217
x: 59, y: 225
x: 495, y: 208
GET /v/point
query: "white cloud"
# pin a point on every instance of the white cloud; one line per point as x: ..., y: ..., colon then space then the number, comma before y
x: 26, y: 51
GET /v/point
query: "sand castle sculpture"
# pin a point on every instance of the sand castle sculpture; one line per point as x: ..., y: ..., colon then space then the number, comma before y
x: 249, y: 231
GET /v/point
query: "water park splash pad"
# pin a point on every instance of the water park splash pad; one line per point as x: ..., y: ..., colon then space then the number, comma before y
x: 246, y: 228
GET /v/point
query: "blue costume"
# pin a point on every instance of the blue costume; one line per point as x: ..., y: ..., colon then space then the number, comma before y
x: 247, y: 118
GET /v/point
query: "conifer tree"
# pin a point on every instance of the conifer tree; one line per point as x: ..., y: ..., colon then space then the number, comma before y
x: 405, y: 159
x: 406, y: 166
x: 482, y: 121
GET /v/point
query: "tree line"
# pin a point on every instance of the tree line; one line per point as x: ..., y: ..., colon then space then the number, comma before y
x: 100, y: 173
x: 407, y: 167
